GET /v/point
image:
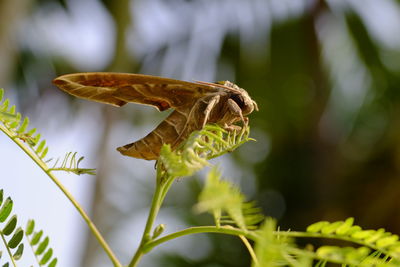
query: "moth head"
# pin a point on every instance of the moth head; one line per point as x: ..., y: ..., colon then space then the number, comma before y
x: 244, y: 101
x: 241, y: 97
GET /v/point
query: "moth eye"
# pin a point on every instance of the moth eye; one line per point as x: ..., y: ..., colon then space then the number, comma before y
x: 238, y: 100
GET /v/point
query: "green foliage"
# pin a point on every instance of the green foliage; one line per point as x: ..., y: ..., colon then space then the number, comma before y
x: 210, y: 142
x: 71, y: 164
x: 233, y: 215
x: 11, y: 235
x: 213, y: 141
x: 220, y: 197
x: 17, y: 129
x: 273, y: 249
x: 39, y: 245
x: 276, y: 248
x: 6, y: 209
x: 202, y: 145
x: 371, y: 242
x: 190, y: 157
x: 10, y: 226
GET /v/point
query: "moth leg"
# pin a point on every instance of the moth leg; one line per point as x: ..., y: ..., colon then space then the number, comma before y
x: 236, y: 110
x: 232, y: 127
x: 213, y: 101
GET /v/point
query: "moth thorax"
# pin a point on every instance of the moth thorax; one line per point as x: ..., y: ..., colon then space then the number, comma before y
x: 229, y: 84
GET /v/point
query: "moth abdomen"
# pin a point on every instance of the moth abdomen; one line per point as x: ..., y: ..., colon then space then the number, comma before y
x: 173, y: 130
x: 139, y: 149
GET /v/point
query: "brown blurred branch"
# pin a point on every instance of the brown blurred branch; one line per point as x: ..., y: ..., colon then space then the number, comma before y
x: 11, y: 14
x: 101, y: 209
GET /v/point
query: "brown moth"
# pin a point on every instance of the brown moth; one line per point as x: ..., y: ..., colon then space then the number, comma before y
x: 195, y: 104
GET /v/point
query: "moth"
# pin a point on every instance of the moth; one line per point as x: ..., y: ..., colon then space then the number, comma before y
x: 195, y: 104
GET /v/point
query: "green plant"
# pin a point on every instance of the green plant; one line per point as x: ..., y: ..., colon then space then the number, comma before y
x: 10, y: 234
x: 232, y: 213
x: 12, y: 237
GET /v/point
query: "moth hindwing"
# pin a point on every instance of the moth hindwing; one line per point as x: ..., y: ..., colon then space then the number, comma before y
x: 195, y: 104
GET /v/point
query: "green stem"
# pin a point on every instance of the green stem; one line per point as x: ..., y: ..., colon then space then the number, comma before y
x: 45, y: 168
x: 250, y: 249
x: 8, y: 249
x: 155, y: 207
x: 165, y: 188
x: 31, y: 246
x: 198, y: 230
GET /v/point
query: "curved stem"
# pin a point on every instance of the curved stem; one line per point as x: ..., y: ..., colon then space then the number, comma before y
x: 45, y: 168
x: 163, y: 184
x: 198, y: 230
x: 155, y: 207
x: 250, y: 249
x: 8, y: 249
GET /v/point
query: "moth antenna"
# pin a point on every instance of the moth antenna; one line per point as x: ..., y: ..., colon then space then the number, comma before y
x: 217, y: 85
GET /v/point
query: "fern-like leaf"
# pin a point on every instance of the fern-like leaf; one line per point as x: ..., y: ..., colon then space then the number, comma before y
x: 4, y: 116
x: 16, y: 127
x: 39, y: 245
x: 210, y: 142
x: 272, y: 249
x: 227, y: 203
x: 378, y: 243
x: 11, y: 235
x: 213, y: 141
x: 351, y: 256
x: 71, y: 164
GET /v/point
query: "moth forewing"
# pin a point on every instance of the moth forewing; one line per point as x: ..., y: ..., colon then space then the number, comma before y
x: 195, y: 104
x: 120, y: 88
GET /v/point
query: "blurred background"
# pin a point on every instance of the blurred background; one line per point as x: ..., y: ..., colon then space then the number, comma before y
x: 325, y: 74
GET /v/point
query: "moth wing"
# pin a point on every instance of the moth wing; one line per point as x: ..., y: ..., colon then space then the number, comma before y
x: 119, y: 88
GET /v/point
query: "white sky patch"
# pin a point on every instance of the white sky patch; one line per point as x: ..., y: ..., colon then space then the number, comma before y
x: 83, y: 34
